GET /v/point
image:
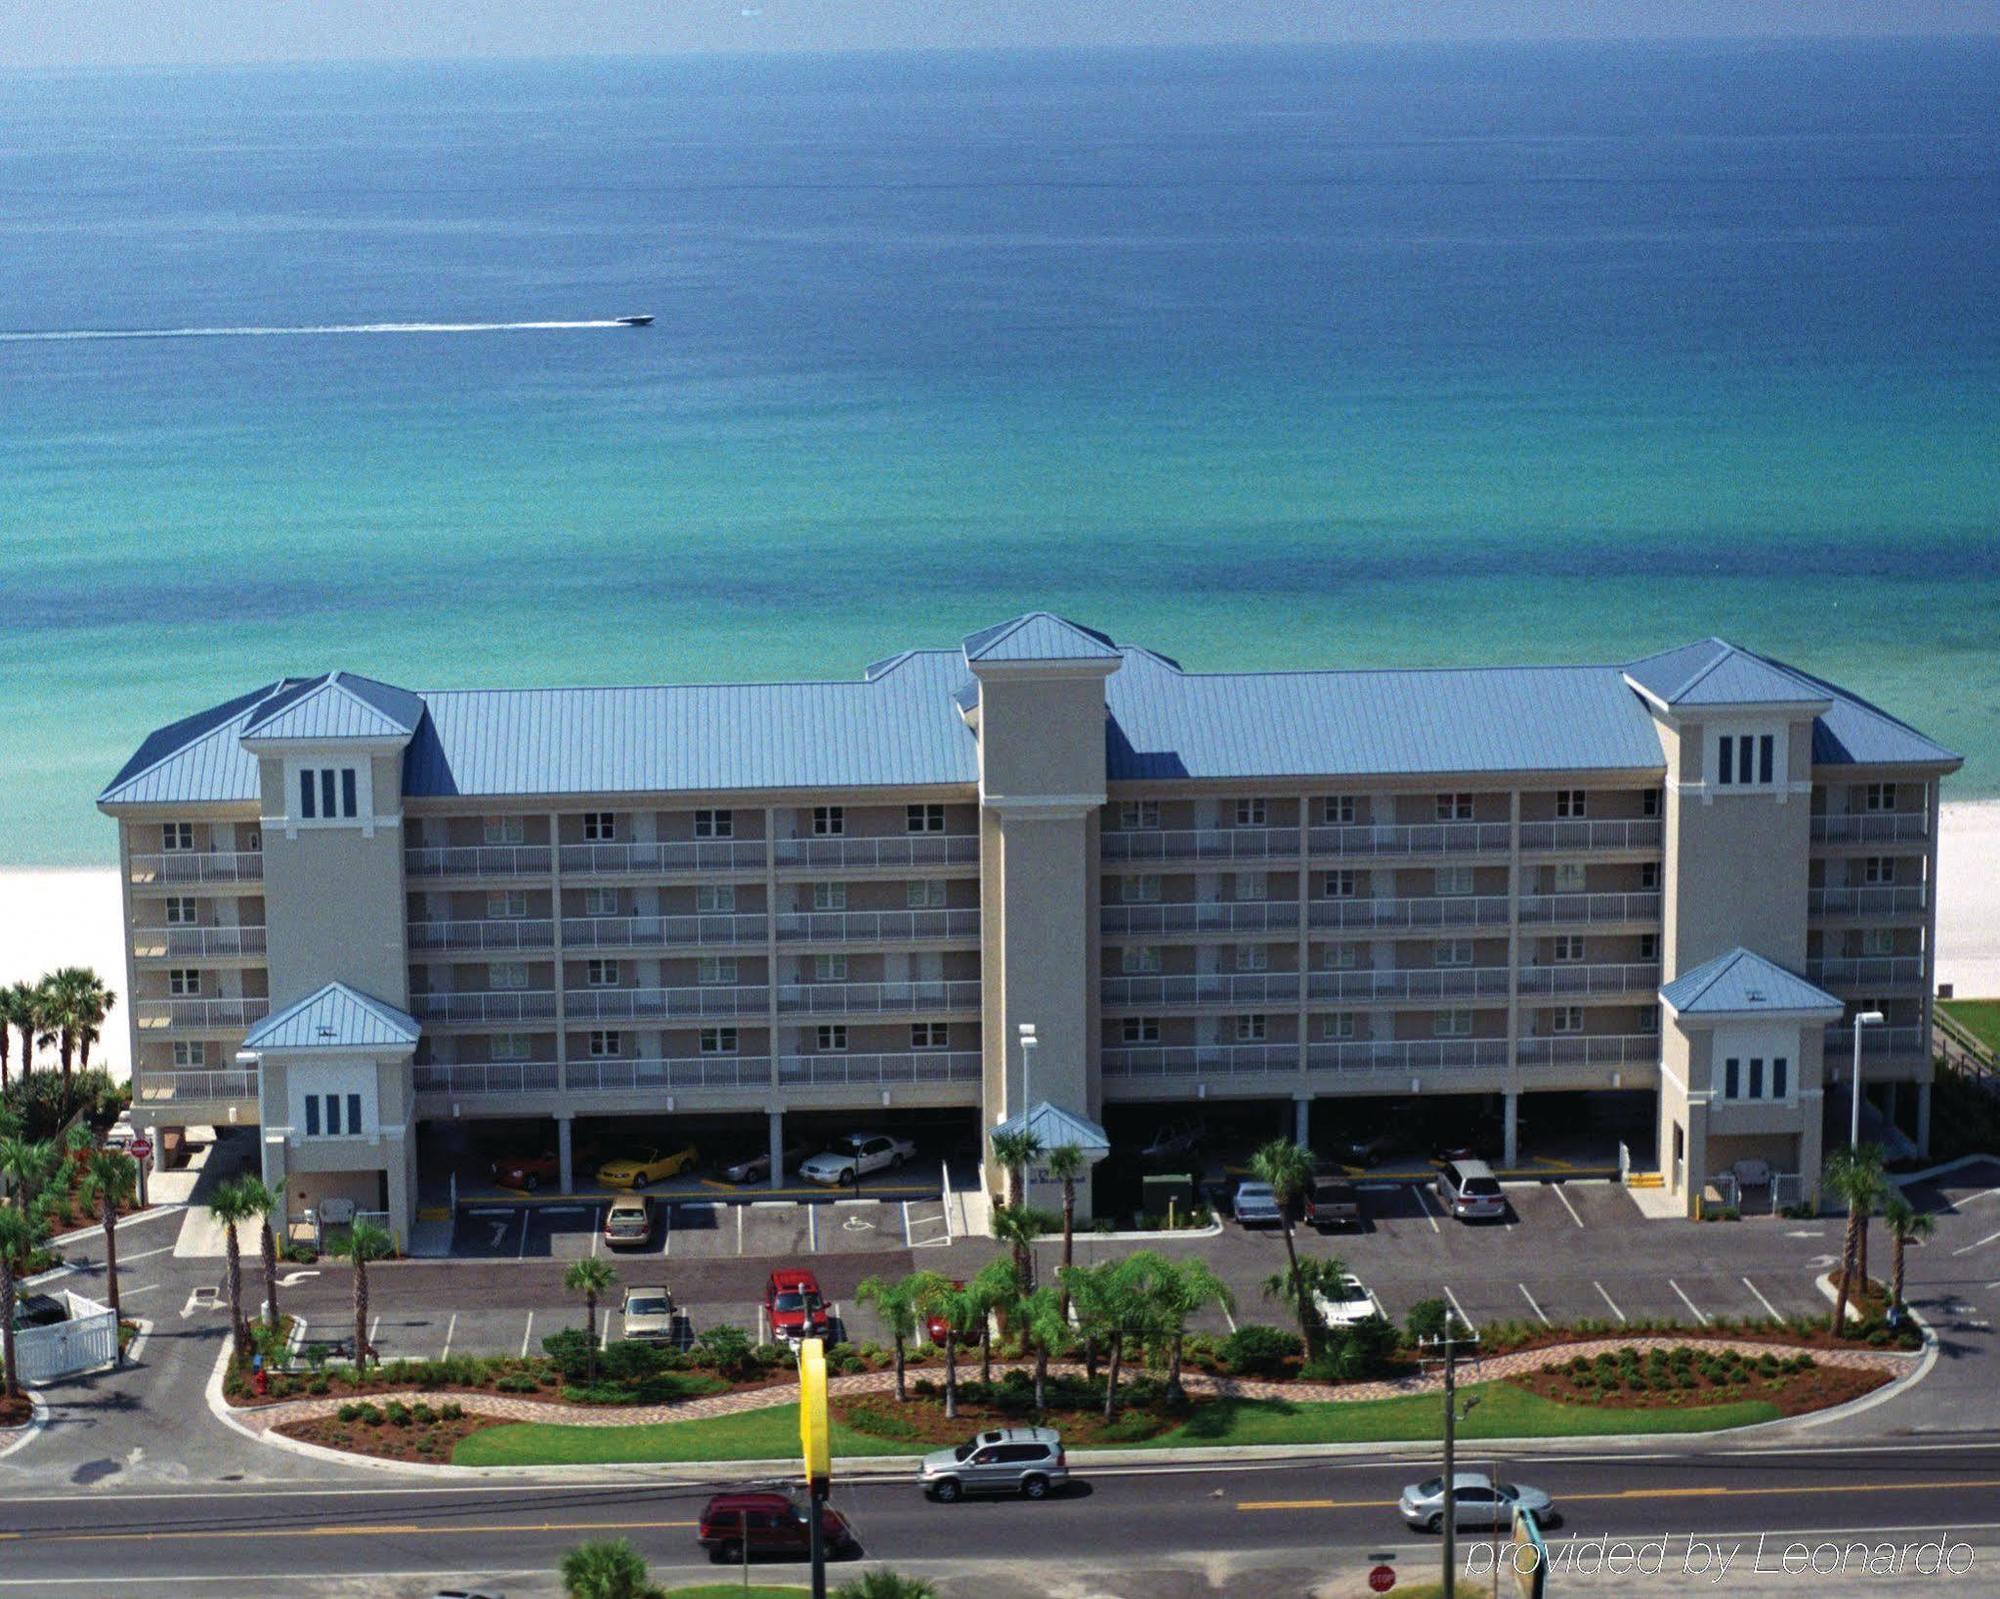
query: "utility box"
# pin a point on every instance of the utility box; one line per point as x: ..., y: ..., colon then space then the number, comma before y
x: 1162, y: 1190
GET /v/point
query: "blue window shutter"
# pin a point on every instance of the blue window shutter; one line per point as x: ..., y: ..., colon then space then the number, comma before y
x: 347, y: 806
x: 306, y: 795
x: 312, y: 1115
x: 354, y: 1113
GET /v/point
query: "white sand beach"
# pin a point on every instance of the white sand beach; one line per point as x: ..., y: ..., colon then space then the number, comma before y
x: 1968, y: 935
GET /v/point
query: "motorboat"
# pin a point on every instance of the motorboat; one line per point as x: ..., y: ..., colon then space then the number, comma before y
x: 635, y: 321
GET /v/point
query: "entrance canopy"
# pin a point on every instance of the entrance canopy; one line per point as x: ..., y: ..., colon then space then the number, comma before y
x: 1054, y: 1127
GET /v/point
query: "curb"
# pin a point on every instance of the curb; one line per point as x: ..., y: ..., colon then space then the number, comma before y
x: 38, y: 1418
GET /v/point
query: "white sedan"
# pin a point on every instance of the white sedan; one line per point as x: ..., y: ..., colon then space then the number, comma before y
x: 854, y: 1157
x: 1352, y: 1303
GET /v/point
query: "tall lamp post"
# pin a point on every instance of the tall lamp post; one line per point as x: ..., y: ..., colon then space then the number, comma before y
x: 1027, y: 1070
x: 1866, y: 1018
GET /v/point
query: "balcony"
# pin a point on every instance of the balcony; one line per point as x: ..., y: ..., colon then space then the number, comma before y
x: 1591, y: 1049
x: 498, y: 933
x: 831, y: 1070
x: 496, y: 1005
x: 1424, y: 838
x: 891, y: 850
x: 198, y: 866
x: 1445, y: 910
x: 1566, y: 836
x: 1200, y: 844
x: 492, y: 1077
x: 846, y: 999
x: 201, y: 1015
x: 879, y: 927
x: 1874, y: 1041
x: 1547, y: 908
x: 1867, y: 971
x: 1213, y: 916
x: 641, y: 1004
x: 477, y: 860
x: 691, y: 1071
x: 1885, y: 827
x: 658, y: 859
x: 1212, y: 988
x: 629, y: 932
x: 1881, y: 900
x: 168, y: 1089
x: 1639, y: 978
x: 197, y: 943
x: 1429, y: 982
x: 1200, y: 1060
x: 1407, y: 1055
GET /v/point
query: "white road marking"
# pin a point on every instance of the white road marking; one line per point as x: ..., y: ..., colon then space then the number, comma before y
x: 125, y: 1293
x: 1457, y: 1307
x: 1773, y: 1309
x: 1537, y: 1309
x: 906, y: 1224
x: 450, y: 1332
x: 596, y: 1228
x: 374, y: 1327
x: 1223, y: 1308
x: 1698, y: 1316
x: 1609, y: 1301
x: 666, y: 1231
x: 527, y: 1332
x: 1573, y: 1216
x: 1430, y: 1215
x: 812, y: 1227
x: 739, y: 1229
x: 1981, y: 1244
x: 148, y: 1254
x: 522, y: 1252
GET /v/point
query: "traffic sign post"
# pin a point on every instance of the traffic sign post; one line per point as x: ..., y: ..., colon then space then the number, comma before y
x: 817, y: 1446
x: 141, y: 1149
x: 1382, y: 1578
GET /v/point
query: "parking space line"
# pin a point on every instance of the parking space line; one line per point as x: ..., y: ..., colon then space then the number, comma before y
x: 148, y: 1254
x: 1609, y: 1301
x: 374, y: 1327
x: 666, y: 1231
x: 522, y: 1252
x: 1557, y: 1189
x: 1691, y: 1305
x: 527, y: 1333
x: 739, y: 1229
x: 906, y: 1224
x: 450, y: 1332
x: 1430, y: 1215
x: 1537, y: 1309
x: 596, y: 1228
x: 1981, y: 1244
x: 1773, y: 1309
x: 127, y: 1293
x: 812, y: 1227
x: 1457, y: 1308
x: 1223, y: 1308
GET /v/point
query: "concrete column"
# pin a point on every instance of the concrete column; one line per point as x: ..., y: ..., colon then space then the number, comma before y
x: 1923, y: 1118
x: 777, y: 1148
x: 566, y: 1174
x: 1510, y: 1135
x: 401, y: 1199
x: 1302, y: 1120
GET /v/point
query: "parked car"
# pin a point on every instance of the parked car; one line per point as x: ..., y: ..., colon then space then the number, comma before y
x: 937, y: 1330
x: 647, y: 1166
x: 649, y: 1314
x: 1256, y: 1205
x: 527, y: 1171
x: 1468, y: 1190
x: 1352, y: 1303
x: 795, y: 1306
x: 1175, y: 1141
x: 753, y: 1166
x: 848, y: 1159
x: 1028, y: 1461
x: 768, y: 1523
x: 1333, y: 1202
x: 1479, y: 1501
x: 628, y: 1222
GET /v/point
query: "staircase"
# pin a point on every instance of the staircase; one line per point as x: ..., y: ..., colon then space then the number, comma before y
x: 1644, y: 1179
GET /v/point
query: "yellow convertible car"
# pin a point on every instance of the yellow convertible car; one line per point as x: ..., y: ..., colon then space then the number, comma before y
x: 647, y: 1166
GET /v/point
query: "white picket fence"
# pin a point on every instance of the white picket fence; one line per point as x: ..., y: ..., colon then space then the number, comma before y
x: 88, y: 1340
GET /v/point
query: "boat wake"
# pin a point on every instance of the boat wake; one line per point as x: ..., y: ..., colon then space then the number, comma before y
x: 316, y: 331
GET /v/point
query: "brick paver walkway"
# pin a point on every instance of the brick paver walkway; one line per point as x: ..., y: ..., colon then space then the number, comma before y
x: 509, y: 1407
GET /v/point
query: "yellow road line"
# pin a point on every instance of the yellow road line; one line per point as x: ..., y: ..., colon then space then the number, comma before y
x: 360, y: 1530
x: 1716, y: 1491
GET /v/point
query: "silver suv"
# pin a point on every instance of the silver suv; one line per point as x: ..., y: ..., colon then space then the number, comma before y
x: 1025, y: 1460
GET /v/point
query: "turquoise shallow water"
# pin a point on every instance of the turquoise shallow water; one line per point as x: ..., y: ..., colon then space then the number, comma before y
x: 1321, y: 358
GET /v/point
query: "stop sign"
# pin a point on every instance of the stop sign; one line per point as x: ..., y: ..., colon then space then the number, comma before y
x: 139, y: 1148
x: 1382, y: 1578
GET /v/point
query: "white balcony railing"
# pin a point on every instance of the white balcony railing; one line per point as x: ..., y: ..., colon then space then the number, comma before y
x: 1839, y: 1044
x: 1634, y: 978
x: 1564, y: 836
x: 841, y: 999
x: 1590, y: 908
x: 197, y: 943
x: 1429, y: 982
x: 1407, y: 1055
x: 1214, y: 916
x: 497, y: 932
x: 198, y: 866
x: 1200, y: 844
x: 1884, y: 827
x: 1591, y: 1049
x: 628, y: 932
x: 1199, y: 1060
x: 1867, y: 971
x: 677, y: 855
x: 832, y: 1070
x: 1210, y: 988
x: 195, y: 1015
x: 879, y: 927
x: 1444, y: 910
x: 889, y: 850
x: 1883, y: 900
x: 477, y: 860
x: 487, y: 1077
x: 638, y: 1004
x: 496, y: 1005
x: 691, y: 1071
x: 1422, y: 838
x: 170, y: 1088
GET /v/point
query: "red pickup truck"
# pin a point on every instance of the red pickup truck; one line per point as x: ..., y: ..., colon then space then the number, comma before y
x: 794, y: 1305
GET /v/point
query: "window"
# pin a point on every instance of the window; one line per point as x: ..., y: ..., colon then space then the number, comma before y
x: 1878, y: 869
x: 1337, y: 1024
x: 1252, y: 886
x: 714, y: 824
x: 1570, y: 803
x: 1143, y: 889
x: 324, y: 1110
x: 1569, y: 877
x: 1139, y: 959
x: 830, y: 968
x: 829, y: 821
x: 1341, y: 885
x: 716, y: 969
x: 1253, y: 957
x: 1732, y: 1078
x: 1649, y: 946
x: 930, y: 1035
x: 1649, y: 802
x: 832, y: 1036
x: 604, y: 1042
x: 1454, y: 807
x: 183, y: 980
x: 715, y: 897
x: 1452, y: 952
x: 190, y: 1053
x: 1649, y: 1020
x: 505, y: 830
x: 718, y: 1041
x: 1567, y: 1019
x: 1725, y: 762
x: 1453, y: 880
x: 1779, y: 1073
x: 600, y: 827
x: 308, y: 794
x: 1342, y: 957
x: 829, y: 896
x: 1141, y: 1029
x: 1452, y: 1023
x: 328, y: 792
x: 925, y: 819
x: 1746, y: 758
x: 181, y: 911
x: 1878, y: 941
x: 600, y: 902
x: 510, y: 1046
x: 1765, y: 743
x: 1249, y: 1029
x: 600, y: 973
x: 1567, y: 948
x: 1251, y: 812
x: 1338, y: 810
x: 1879, y: 797
x: 509, y: 974
x: 312, y: 1115
x: 1756, y: 1077
x: 1139, y: 815
x: 347, y: 791
x: 176, y: 836
x: 507, y: 903
x: 924, y: 894
x: 1649, y: 876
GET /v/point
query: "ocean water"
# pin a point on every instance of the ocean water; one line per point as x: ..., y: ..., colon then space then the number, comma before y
x: 1280, y: 358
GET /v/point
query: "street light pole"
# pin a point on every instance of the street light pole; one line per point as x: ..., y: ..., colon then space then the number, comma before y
x: 1447, y: 1347
x: 1865, y: 1018
x: 1028, y: 1042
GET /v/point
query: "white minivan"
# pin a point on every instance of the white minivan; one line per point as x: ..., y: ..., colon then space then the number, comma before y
x: 1468, y: 1190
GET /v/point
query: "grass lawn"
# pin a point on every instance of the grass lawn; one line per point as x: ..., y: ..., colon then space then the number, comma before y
x: 1980, y: 1017
x: 1503, y: 1412
x: 732, y: 1590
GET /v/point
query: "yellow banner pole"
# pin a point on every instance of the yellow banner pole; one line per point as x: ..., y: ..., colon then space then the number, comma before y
x: 816, y: 1443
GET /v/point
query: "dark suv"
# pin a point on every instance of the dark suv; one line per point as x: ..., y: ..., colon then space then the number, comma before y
x: 770, y: 1523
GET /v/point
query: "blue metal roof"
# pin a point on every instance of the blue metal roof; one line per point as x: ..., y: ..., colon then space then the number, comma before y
x: 1716, y: 672
x: 336, y: 1017
x: 1039, y: 636
x: 340, y: 705
x: 1054, y: 1127
x: 1742, y: 982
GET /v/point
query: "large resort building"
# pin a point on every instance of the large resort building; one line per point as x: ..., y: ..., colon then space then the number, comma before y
x: 357, y: 911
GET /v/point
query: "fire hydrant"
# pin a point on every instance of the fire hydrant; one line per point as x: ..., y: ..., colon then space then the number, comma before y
x: 259, y: 1384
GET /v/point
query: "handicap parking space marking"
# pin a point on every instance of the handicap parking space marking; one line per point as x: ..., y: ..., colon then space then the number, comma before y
x: 1691, y: 1305
x: 1609, y: 1301
x: 1773, y: 1309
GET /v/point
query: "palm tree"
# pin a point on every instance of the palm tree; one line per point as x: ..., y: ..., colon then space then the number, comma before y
x: 1906, y: 1225
x: 896, y: 1305
x: 961, y: 1311
x: 997, y: 1290
x: 1168, y: 1293
x: 1045, y: 1325
x: 365, y: 1241
x: 229, y: 1205
x: 1018, y: 1226
x: 29, y: 1164
x: 1853, y: 1175
x: 18, y: 1240
x: 1015, y: 1151
x: 1288, y: 1168
x: 1301, y: 1287
x: 20, y: 1008
x: 608, y: 1570
x: 1067, y: 1163
x: 110, y: 1180
x: 590, y: 1277
x: 264, y: 1202
x: 1105, y: 1304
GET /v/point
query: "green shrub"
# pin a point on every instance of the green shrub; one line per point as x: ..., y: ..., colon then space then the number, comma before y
x: 516, y: 1382
x: 1428, y: 1318
x: 451, y: 1410
x: 1258, y: 1351
x: 397, y: 1412
x: 726, y: 1350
